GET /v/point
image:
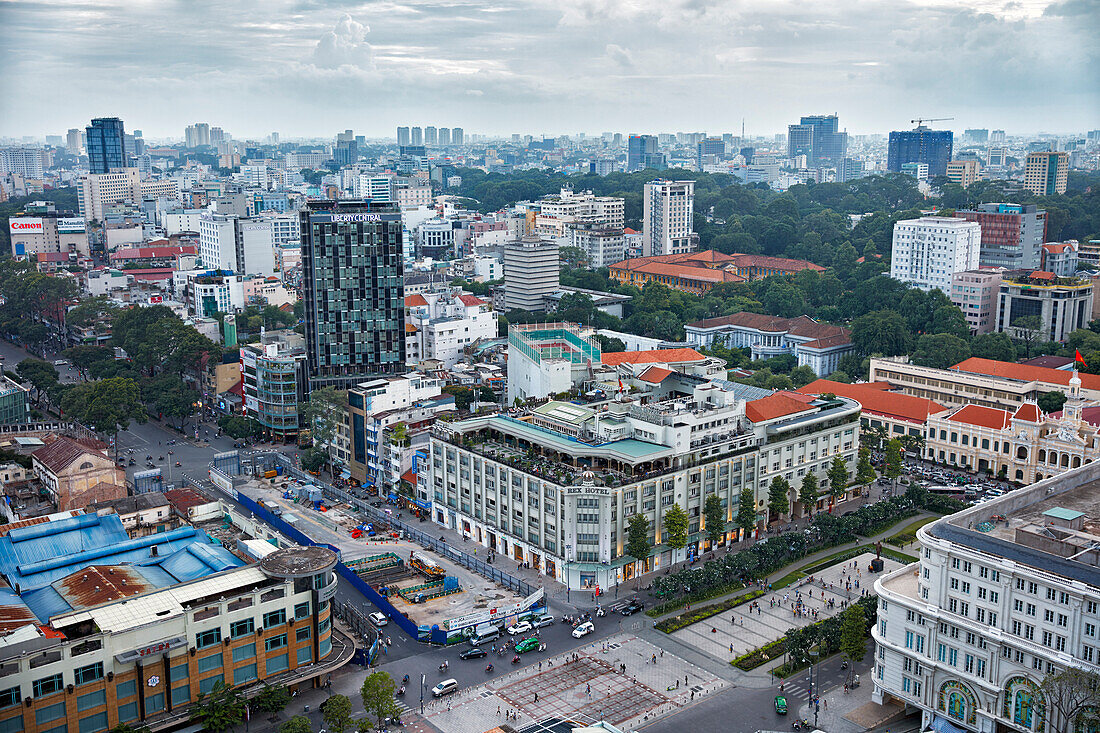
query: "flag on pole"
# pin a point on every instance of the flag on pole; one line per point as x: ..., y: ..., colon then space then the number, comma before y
x: 1078, y: 357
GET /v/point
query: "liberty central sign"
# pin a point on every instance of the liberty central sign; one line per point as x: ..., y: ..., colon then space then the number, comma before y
x: 353, y: 218
x: 348, y: 218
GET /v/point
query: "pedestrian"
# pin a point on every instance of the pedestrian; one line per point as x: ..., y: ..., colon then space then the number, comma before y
x: 826, y: 701
x: 498, y: 711
x: 536, y: 697
x: 588, y: 689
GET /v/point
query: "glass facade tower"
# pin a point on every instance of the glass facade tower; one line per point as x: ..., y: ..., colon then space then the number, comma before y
x: 106, y: 144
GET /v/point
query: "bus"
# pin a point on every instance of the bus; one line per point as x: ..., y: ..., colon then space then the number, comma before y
x: 427, y: 566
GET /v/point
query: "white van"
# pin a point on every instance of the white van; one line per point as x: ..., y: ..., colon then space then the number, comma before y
x: 483, y: 634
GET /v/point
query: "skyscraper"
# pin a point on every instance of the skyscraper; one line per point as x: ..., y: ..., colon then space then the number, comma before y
x: 457, y: 136
x: 800, y: 141
x: 531, y: 269
x: 667, y: 217
x: 978, y: 136
x: 106, y: 144
x: 829, y: 142
x: 402, y: 136
x: 921, y: 145
x: 417, y: 136
x: 711, y: 146
x: 197, y: 135
x: 72, y: 141
x: 637, y: 148
x: 347, y: 151
x: 1046, y: 173
x: 429, y: 135
x: 353, y: 291
x: 444, y: 137
x: 1012, y: 234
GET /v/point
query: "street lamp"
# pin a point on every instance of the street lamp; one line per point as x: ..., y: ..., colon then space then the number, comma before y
x: 814, y: 653
x: 422, y: 679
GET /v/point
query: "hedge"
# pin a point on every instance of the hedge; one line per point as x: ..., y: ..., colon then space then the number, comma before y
x: 763, y: 655
x: 675, y: 623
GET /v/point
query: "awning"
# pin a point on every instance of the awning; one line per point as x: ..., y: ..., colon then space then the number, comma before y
x: 423, y: 504
x: 345, y: 474
x: 392, y: 496
x: 942, y: 725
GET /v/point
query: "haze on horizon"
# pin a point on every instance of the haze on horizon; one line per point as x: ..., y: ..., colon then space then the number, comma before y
x: 312, y: 67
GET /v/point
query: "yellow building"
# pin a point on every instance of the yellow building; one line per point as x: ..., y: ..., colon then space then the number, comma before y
x: 1046, y: 173
x: 964, y: 172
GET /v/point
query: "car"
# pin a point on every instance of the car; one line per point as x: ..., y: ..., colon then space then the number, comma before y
x: 546, y: 619
x: 583, y: 629
x: 475, y: 653
x: 520, y: 627
x: 529, y: 644
x: 378, y: 619
x: 446, y: 687
x: 60, y: 362
x: 780, y: 705
x: 631, y: 608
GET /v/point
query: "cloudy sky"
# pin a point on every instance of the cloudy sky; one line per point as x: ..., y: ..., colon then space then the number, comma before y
x: 312, y: 67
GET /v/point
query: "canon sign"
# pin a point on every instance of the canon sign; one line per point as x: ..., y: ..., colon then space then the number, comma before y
x: 25, y: 224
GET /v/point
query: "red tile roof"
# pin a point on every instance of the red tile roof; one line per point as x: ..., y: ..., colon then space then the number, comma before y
x: 1042, y: 275
x: 986, y: 417
x: 413, y: 301
x: 409, y: 476
x: 184, y: 499
x: 655, y: 375
x: 654, y: 356
x: 687, y: 272
x: 875, y: 400
x: 1058, y: 247
x: 471, y: 300
x: 777, y: 405
x: 1091, y: 415
x: 409, y: 328
x: 1028, y: 411
x: 803, y: 326
x: 63, y: 452
x: 775, y: 263
x: 149, y: 253
x: 1023, y: 372
x: 1051, y: 362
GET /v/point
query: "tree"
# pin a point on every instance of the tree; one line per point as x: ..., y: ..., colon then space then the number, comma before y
x: 676, y: 527
x: 746, y: 511
x: 801, y: 376
x: 996, y: 346
x: 838, y: 478
x: 808, y: 492
x: 865, y: 472
x: 91, y: 361
x: 377, y: 694
x: 881, y: 332
x: 1051, y: 401
x: 940, y: 350
x: 106, y: 406
x: 893, y: 459
x: 297, y: 724
x: 779, y: 496
x: 715, y: 516
x: 238, y: 427
x: 173, y: 398
x: 1071, y: 693
x: 218, y: 710
x: 313, y: 460
x: 573, y: 257
x: 336, y: 712
x: 853, y: 630
x: 272, y: 699
x: 1028, y: 328
x: 42, y: 376
x: 638, y: 545
x: 323, y: 413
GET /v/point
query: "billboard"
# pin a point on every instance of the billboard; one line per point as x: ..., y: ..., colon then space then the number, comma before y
x: 25, y: 225
x: 70, y: 224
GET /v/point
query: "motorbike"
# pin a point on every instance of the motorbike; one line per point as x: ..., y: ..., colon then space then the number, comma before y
x: 844, y: 664
x: 515, y: 659
x: 489, y: 668
x: 405, y: 680
x: 443, y: 667
x: 601, y: 612
x: 177, y: 464
x: 401, y: 690
x: 855, y: 681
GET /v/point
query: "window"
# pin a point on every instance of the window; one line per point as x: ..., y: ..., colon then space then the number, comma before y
x: 279, y: 663
x: 93, y: 723
x: 47, y: 685
x: 206, y: 685
x: 181, y: 695
x: 208, y: 638
x: 128, y: 712
x: 246, y: 651
x: 244, y: 627
x: 275, y: 618
x: 210, y: 662
x: 301, y: 610
x: 9, y: 697
x: 88, y: 673
x: 244, y: 674
x: 91, y: 700
x: 302, y: 634
x: 12, y: 725
x: 49, y: 713
x: 304, y: 655
x: 126, y: 689
x: 275, y: 642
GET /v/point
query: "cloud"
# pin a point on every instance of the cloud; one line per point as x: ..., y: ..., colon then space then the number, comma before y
x: 345, y: 45
x: 619, y: 56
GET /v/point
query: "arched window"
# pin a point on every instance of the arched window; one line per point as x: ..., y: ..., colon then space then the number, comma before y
x: 1042, y: 455
x: 958, y: 702
x: 1024, y: 704
x: 1052, y: 459
x: 1065, y: 460
x: 85, y: 465
x: 1077, y: 461
x: 1021, y: 453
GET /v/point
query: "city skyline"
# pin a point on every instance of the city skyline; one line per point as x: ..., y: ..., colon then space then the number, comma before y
x: 633, y: 67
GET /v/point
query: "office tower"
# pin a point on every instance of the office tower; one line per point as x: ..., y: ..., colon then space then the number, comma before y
x: 637, y: 148
x: 106, y: 144
x: 747, y: 154
x: 243, y: 246
x: 402, y: 136
x: 818, y: 138
x: 444, y: 137
x: 997, y: 137
x: 26, y: 162
x: 978, y: 137
x: 429, y: 135
x: 347, y: 152
x: 921, y: 145
x: 531, y: 270
x: 667, y: 217
x: 97, y: 192
x: 849, y: 169
x: 274, y: 138
x: 457, y: 136
x: 72, y: 141
x: 197, y: 135
x: 353, y: 291
x: 927, y: 251
x: 1012, y: 234
x: 1046, y: 173
x: 417, y: 137
x: 964, y: 172
x: 217, y: 135
x: 998, y: 156
x: 711, y: 146
x: 800, y: 141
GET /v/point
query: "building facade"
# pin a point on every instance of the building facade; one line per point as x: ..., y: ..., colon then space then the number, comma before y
x: 239, y: 245
x: 964, y: 172
x: 977, y: 293
x: 1054, y: 306
x: 531, y: 271
x: 1061, y: 258
x: 98, y: 192
x: 928, y: 251
x: 440, y: 325
x: 105, y: 143
x: 273, y: 385
x: 1046, y: 173
x: 1012, y: 234
x: 921, y: 145
x: 816, y: 345
x: 668, y: 210
x: 352, y: 271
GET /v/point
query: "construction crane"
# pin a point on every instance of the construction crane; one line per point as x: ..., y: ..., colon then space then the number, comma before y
x: 921, y: 120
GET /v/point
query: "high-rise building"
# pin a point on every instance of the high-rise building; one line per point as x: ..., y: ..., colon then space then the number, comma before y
x: 531, y: 269
x: 106, y: 144
x: 964, y: 172
x: 997, y: 156
x: 243, y: 246
x: 921, y: 145
x: 417, y: 137
x: 430, y: 135
x: 444, y: 137
x: 347, y: 151
x: 709, y: 147
x: 849, y: 169
x: 997, y: 137
x: 197, y: 135
x: 402, y: 136
x: 926, y: 252
x: 818, y: 138
x: 667, y: 217
x: 458, y: 137
x: 1012, y: 234
x: 72, y: 141
x: 217, y: 135
x: 975, y: 292
x: 978, y: 136
x: 26, y: 162
x: 353, y: 291
x: 1046, y: 173
x: 97, y: 192
x: 1060, y: 305
x: 638, y: 147
x: 800, y: 141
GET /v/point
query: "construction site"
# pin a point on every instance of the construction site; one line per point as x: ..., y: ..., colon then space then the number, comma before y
x: 426, y: 587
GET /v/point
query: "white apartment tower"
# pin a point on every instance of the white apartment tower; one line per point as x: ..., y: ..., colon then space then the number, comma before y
x: 530, y: 272
x: 244, y: 246
x: 667, y: 226
x: 928, y: 251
